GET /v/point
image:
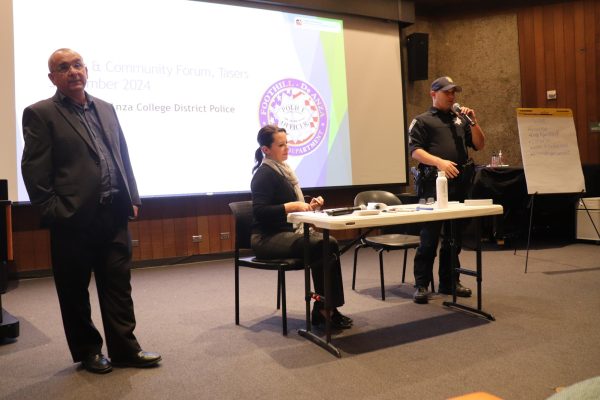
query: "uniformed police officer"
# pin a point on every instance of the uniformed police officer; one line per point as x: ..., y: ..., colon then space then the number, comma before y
x: 438, y: 140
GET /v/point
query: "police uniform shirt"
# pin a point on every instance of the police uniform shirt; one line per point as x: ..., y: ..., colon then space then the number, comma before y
x: 442, y: 134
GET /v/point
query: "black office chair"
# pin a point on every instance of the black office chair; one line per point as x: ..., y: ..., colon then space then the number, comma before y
x: 242, y: 212
x: 385, y: 241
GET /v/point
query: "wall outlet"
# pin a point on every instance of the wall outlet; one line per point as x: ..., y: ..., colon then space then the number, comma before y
x: 196, y: 238
x: 551, y: 94
x: 135, y: 242
x: 225, y: 235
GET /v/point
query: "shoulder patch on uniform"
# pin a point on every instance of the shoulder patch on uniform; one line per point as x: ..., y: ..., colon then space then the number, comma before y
x: 414, y: 121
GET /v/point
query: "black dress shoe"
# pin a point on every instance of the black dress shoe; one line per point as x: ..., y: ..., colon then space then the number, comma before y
x: 337, y: 320
x: 96, y: 363
x: 421, y: 295
x: 342, y: 316
x: 143, y: 359
x: 461, y: 291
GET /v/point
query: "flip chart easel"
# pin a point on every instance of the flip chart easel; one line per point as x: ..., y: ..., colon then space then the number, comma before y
x: 550, y: 154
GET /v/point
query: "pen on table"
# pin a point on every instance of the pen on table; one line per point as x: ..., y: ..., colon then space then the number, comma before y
x: 424, y: 208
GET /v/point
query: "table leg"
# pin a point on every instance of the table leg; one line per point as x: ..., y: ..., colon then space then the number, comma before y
x: 307, y: 333
x: 307, y: 295
x: 478, y: 274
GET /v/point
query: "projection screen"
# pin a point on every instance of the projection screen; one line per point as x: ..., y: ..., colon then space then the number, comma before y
x: 193, y: 81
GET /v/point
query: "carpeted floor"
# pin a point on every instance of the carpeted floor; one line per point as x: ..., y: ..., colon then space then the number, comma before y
x: 545, y: 335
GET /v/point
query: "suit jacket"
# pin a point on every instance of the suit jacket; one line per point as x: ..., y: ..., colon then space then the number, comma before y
x: 61, y: 166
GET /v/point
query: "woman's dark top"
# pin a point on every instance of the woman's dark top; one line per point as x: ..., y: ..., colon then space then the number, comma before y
x: 270, y: 191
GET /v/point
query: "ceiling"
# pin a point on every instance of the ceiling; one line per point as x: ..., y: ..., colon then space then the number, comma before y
x: 436, y: 7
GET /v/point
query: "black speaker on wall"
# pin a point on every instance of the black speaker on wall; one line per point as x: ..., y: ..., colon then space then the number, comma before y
x: 3, y: 244
x: 417, y: 45
x: 3, y: 189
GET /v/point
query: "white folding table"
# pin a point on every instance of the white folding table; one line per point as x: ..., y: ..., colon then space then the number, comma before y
x: 405, y: 214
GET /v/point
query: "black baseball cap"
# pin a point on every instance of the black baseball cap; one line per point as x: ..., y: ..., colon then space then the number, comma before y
x: 444, y: 83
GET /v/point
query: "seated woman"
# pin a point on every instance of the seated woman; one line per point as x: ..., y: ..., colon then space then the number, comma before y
x: 275, y: 193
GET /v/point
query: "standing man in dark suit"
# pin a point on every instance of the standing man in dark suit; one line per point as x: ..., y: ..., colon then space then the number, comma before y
x: 77, y: 171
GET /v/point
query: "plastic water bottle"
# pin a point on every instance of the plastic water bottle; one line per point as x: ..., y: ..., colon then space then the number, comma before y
x: 494, y: 160
x: 441, y: 190
x: 500, y: 160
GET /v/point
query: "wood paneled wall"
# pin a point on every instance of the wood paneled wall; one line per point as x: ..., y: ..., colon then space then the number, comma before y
x: 164, y: 230
x: 559, y: 47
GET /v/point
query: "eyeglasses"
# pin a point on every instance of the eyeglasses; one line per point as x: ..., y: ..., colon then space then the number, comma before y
x: 64, y: 68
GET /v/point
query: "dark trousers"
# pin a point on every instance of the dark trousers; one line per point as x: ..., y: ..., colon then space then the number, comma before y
x: 427, y: 250
x: 102, y: 247
x: 430, y: 237
x: 291, y: 244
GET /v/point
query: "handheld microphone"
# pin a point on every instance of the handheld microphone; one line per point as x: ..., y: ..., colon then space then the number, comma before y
x: 456, y: 109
